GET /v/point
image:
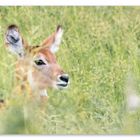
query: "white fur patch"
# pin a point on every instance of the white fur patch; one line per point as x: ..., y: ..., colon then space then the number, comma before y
x: 55, y: 46
x: 30, y: 79
x: 43, y: 92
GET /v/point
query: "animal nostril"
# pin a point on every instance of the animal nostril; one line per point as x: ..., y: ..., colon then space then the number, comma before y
x: 64, y: 78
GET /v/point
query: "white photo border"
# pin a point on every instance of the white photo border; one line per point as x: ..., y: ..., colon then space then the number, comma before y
x: 70, y: 2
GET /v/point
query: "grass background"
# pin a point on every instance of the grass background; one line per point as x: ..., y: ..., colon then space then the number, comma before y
x: 100, y: 47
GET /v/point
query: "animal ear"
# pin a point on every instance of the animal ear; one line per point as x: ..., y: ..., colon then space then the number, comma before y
x: 14, y: 41
x: 53, y: 41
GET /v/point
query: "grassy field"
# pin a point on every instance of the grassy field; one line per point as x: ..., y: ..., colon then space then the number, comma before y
x: 100, y: 52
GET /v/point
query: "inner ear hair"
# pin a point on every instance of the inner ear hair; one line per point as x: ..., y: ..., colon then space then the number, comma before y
x: 50, y: 40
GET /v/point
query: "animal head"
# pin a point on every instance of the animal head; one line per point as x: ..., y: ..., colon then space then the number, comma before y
x: 43, y: 69
x: 45, y: 61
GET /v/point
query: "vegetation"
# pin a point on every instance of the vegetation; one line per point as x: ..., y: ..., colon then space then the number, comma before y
x: 99, y: 50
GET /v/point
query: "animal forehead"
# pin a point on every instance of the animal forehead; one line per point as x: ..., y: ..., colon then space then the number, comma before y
x: 48, y: 55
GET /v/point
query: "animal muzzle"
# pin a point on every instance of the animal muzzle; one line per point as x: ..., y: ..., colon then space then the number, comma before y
x: 63, y: 81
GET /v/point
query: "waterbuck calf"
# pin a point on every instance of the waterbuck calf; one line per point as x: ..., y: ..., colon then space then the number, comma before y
x: 37, y: 66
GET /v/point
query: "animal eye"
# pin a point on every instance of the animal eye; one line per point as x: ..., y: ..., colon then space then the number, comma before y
x: 39, y: 62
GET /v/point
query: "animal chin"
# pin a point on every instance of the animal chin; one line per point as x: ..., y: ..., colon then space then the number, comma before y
x: 62, y: 85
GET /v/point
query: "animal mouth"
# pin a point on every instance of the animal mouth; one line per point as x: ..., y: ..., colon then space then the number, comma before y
x: 62, y: 85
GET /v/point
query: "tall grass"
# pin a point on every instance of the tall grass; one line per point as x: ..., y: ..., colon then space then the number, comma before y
x: 100, y: 47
